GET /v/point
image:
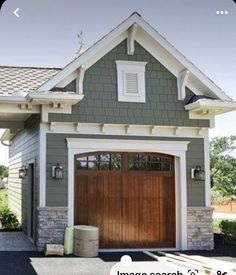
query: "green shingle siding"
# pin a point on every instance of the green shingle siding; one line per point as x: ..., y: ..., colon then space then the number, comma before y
x: 57, y: 191
x: 100, y: 104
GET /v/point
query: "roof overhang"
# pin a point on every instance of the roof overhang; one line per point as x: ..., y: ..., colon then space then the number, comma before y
x: 16, y: 108
x: 64, y: 98
x: 211, y: 107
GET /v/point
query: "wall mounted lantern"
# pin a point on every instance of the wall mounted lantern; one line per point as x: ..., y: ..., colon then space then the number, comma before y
x: 22, y: 172
x: 57, y: 172
x: 197, y: 173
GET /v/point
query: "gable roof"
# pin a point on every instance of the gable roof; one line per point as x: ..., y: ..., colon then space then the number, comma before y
x: 152, y: 41
x: 24, y: 79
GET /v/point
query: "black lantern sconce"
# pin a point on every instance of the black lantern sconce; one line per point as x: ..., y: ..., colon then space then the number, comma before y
x: 22, y: 172
x: 57, y: 172
x: 197, y: 173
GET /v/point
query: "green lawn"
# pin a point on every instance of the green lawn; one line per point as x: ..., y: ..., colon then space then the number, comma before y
x: 3, y: 198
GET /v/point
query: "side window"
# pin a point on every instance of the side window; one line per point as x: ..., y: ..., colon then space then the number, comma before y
x: 131, y: 81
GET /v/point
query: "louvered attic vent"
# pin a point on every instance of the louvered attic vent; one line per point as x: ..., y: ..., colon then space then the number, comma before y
x: 131, y: 81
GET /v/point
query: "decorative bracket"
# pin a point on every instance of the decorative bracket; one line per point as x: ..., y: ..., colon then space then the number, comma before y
x: 104, y: 128
x: 178, y: 131
x: 80, y: 80
x: 182, y: 79
x: 131, y: 37
x: 78, y: 127
x: 26, y: 106
x: 129, y: 129
x: 154, y: 130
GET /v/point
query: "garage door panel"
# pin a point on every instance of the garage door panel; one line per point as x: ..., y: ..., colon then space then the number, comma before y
x: 131, y: 208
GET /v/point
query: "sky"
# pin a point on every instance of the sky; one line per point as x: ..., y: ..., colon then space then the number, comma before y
x: 45, y: 35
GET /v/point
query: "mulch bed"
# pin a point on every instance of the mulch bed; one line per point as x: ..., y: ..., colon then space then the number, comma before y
x: 221, y: 249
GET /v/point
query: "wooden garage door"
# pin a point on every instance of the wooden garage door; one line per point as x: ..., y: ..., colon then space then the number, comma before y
x: 129, y: 196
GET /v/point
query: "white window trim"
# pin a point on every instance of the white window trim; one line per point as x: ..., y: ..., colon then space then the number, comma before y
x: 175, y: 148
x: 135, y: 67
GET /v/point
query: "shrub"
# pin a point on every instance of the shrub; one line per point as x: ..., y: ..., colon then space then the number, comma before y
x: 217, y: 198
x: 8, y: 219
x: 228, y: 228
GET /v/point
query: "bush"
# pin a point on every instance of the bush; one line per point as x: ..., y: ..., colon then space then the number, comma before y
x: 8, y: 219
x: 217, y: 198
x: 228, y: 228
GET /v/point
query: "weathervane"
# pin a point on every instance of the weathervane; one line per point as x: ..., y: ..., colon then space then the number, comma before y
x: 81, y: 43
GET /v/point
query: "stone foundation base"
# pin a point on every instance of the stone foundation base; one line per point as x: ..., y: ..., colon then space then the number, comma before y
x: 200, y: 231
x: 51, y: 225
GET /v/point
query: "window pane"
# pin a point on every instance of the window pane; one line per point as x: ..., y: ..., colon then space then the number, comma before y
x: 155, y: 159
x: 143, y: 158
x: 116, y: 161
x: 166, y: 165
x: 104, y: 165
x: 93, y: 158
x: 82, y: 165
x: 105, y: 157
x: 144, y: 166
x: 82, y: 159
x: 93, y: 165
x: 155, y: 166
x: 133, y: 165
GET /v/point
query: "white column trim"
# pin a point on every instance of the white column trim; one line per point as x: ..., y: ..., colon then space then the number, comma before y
x: 42, y: 164
x: 183, y: 202
x: 207, y: 170
x: 175, y: 148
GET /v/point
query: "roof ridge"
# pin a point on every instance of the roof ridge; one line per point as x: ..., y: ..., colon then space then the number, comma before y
x: 30, y: 67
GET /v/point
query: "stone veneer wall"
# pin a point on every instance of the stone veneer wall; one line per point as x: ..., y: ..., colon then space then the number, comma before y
x: 51, y: 225
x: 200, y: 230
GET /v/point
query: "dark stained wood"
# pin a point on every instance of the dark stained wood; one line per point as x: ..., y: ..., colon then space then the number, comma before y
x: 132, y: 209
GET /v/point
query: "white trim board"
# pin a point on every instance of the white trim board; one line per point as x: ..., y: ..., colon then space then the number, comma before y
x: 197, y: 80
x: 126, y: 130
x: 42, y: 164
x: 175, y: 148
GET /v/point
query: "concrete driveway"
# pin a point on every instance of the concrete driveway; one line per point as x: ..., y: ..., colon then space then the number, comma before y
x: 31, y: 263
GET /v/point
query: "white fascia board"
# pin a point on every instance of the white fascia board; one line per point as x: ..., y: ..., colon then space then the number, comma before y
x: 13, y: 99
x: 143, y: 145
x: 66, y: 98
x: 211, y: 104
x: 15, y: 108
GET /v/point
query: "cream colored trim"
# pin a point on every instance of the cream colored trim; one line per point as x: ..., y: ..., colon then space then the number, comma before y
x: 207, y: 170
x: 181, y: 83
x: 49, y: 109
x: 124, y: 129
x: 133, y: 67
x: 175, y: 148
x: 12, y: 108
x: 131, y: 38
x: 42, y: 164
x: 80, y: 80
x: 66, y: 98
x: 210, y: 107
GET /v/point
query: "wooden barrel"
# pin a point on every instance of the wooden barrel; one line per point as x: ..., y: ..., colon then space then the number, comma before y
x: 86, y: 241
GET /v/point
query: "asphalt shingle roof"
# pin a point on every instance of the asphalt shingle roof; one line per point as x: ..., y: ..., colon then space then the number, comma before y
x: 24, y: 79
